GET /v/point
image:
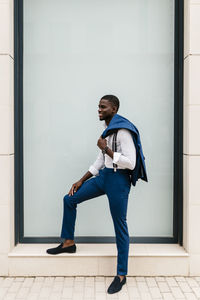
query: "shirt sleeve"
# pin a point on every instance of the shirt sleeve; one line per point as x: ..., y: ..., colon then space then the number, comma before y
x: 126, y: 159
x: 97, y: 165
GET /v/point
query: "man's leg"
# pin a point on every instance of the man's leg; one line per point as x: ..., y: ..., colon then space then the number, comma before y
x: 117, y: 190
x: 90, y: 189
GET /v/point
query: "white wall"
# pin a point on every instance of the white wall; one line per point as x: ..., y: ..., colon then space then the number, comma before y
x: 6, y: 134
x: 191, y: 134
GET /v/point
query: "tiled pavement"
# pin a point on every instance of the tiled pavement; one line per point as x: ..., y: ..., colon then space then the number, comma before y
x: 79, y: 288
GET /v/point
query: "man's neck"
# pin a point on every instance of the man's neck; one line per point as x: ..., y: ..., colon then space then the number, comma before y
x: 107, y: 121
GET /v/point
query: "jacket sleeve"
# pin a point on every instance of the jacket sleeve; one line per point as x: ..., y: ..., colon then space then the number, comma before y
x: 127, y: 157
x: 97, y: 165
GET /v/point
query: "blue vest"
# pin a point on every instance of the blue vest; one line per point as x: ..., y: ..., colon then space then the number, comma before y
x: 119, y: 122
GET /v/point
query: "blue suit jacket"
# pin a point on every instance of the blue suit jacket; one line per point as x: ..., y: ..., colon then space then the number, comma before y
x: 119, y: 122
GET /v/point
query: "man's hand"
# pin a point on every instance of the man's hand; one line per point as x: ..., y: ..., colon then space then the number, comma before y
x: 75, y: 187
x: 101, y: 143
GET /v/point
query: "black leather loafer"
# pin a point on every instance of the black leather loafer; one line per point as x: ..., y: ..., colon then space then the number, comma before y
x: 116, y: 285
x: 59, y: 249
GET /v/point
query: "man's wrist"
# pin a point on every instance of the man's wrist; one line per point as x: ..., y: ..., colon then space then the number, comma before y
x: 87, y: 175
x: 109, y: 152
x: 105, y: 149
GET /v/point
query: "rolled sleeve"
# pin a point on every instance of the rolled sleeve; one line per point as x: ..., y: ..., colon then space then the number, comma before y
x: 116, y: 157
x: 97, y: 165
x: 126, y: 159
x: 93, y: 170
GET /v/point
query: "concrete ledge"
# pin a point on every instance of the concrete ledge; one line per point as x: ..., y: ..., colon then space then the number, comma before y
x: 98, y: 259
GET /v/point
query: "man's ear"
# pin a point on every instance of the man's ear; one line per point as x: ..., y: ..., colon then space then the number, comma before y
x: 115, y: 109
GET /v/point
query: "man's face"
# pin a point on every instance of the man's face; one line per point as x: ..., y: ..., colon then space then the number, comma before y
x: 106, y: 110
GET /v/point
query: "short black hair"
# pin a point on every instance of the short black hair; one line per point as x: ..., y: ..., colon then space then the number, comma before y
x: 112, y: 99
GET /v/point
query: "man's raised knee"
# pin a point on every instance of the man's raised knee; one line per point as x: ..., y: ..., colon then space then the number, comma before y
x: 67, y: 201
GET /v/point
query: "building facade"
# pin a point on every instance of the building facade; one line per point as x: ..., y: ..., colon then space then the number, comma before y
x: 166, y: 243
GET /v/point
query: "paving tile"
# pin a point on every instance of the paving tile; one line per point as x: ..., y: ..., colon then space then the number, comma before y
x: 48, y: 281
x: 177, y: 293
x: 67, y: 292
x: 184, y: 286
x: 99, y: 278
x: 22, y: 293
x: 108, y: 280
x: 69, y: 281
x: 77, y: 296
x: 151, y: 282
x: 14, y: 287
x: 196, y: 290
x: 36, y: 287
x: 39, y: 279
x: 9, y: 296
x: 45, y: 292
x: 100, y: 296
x: 57, y: 286
x: 123, y: 296
x: 59, y: 278
x: 89, y: 281
x: 142, y: 286
x: 190, y: 296
x: 100, y: 286
x: 33, y: 296
x: 19, y: 279
x: 168, y: 296
x: 160, y: 278
x: 163, y: 286
x: 55, y: 296
x: 89, y: 292
x: 146, y: 296
x: 3, y: 291
x: 79, y: 278
x: 95, y: 288
x: 124, y: 289
x: 192, y: 282
x: 78, y: 288
x: 155, y: 292
x: 133, y: 292
x: 180, y: 278
x: 28, y: 282
x: 130, y: 281
x: 7, y: 282
x: 139, y: 278
x: 112, y: 296
x: 79, y: 283
x: 171, y: 281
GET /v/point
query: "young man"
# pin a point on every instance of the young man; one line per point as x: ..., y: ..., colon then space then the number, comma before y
x: 112, y: 177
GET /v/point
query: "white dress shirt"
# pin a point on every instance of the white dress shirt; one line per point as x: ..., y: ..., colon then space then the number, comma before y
x: 125, y: 157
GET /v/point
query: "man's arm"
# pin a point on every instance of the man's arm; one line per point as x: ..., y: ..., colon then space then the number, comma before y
x: 93, y: 171
x: 126, y: 159
x: 78, y: 184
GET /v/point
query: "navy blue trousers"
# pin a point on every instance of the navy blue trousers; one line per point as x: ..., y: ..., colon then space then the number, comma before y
x: 116, y: 185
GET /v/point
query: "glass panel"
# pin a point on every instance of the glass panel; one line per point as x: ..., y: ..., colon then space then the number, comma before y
x: 74, y: 53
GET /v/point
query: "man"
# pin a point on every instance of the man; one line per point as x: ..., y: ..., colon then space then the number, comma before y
x: 112, y: 177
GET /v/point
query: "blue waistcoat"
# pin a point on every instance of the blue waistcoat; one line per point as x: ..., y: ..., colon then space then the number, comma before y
x: 119, y: 122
